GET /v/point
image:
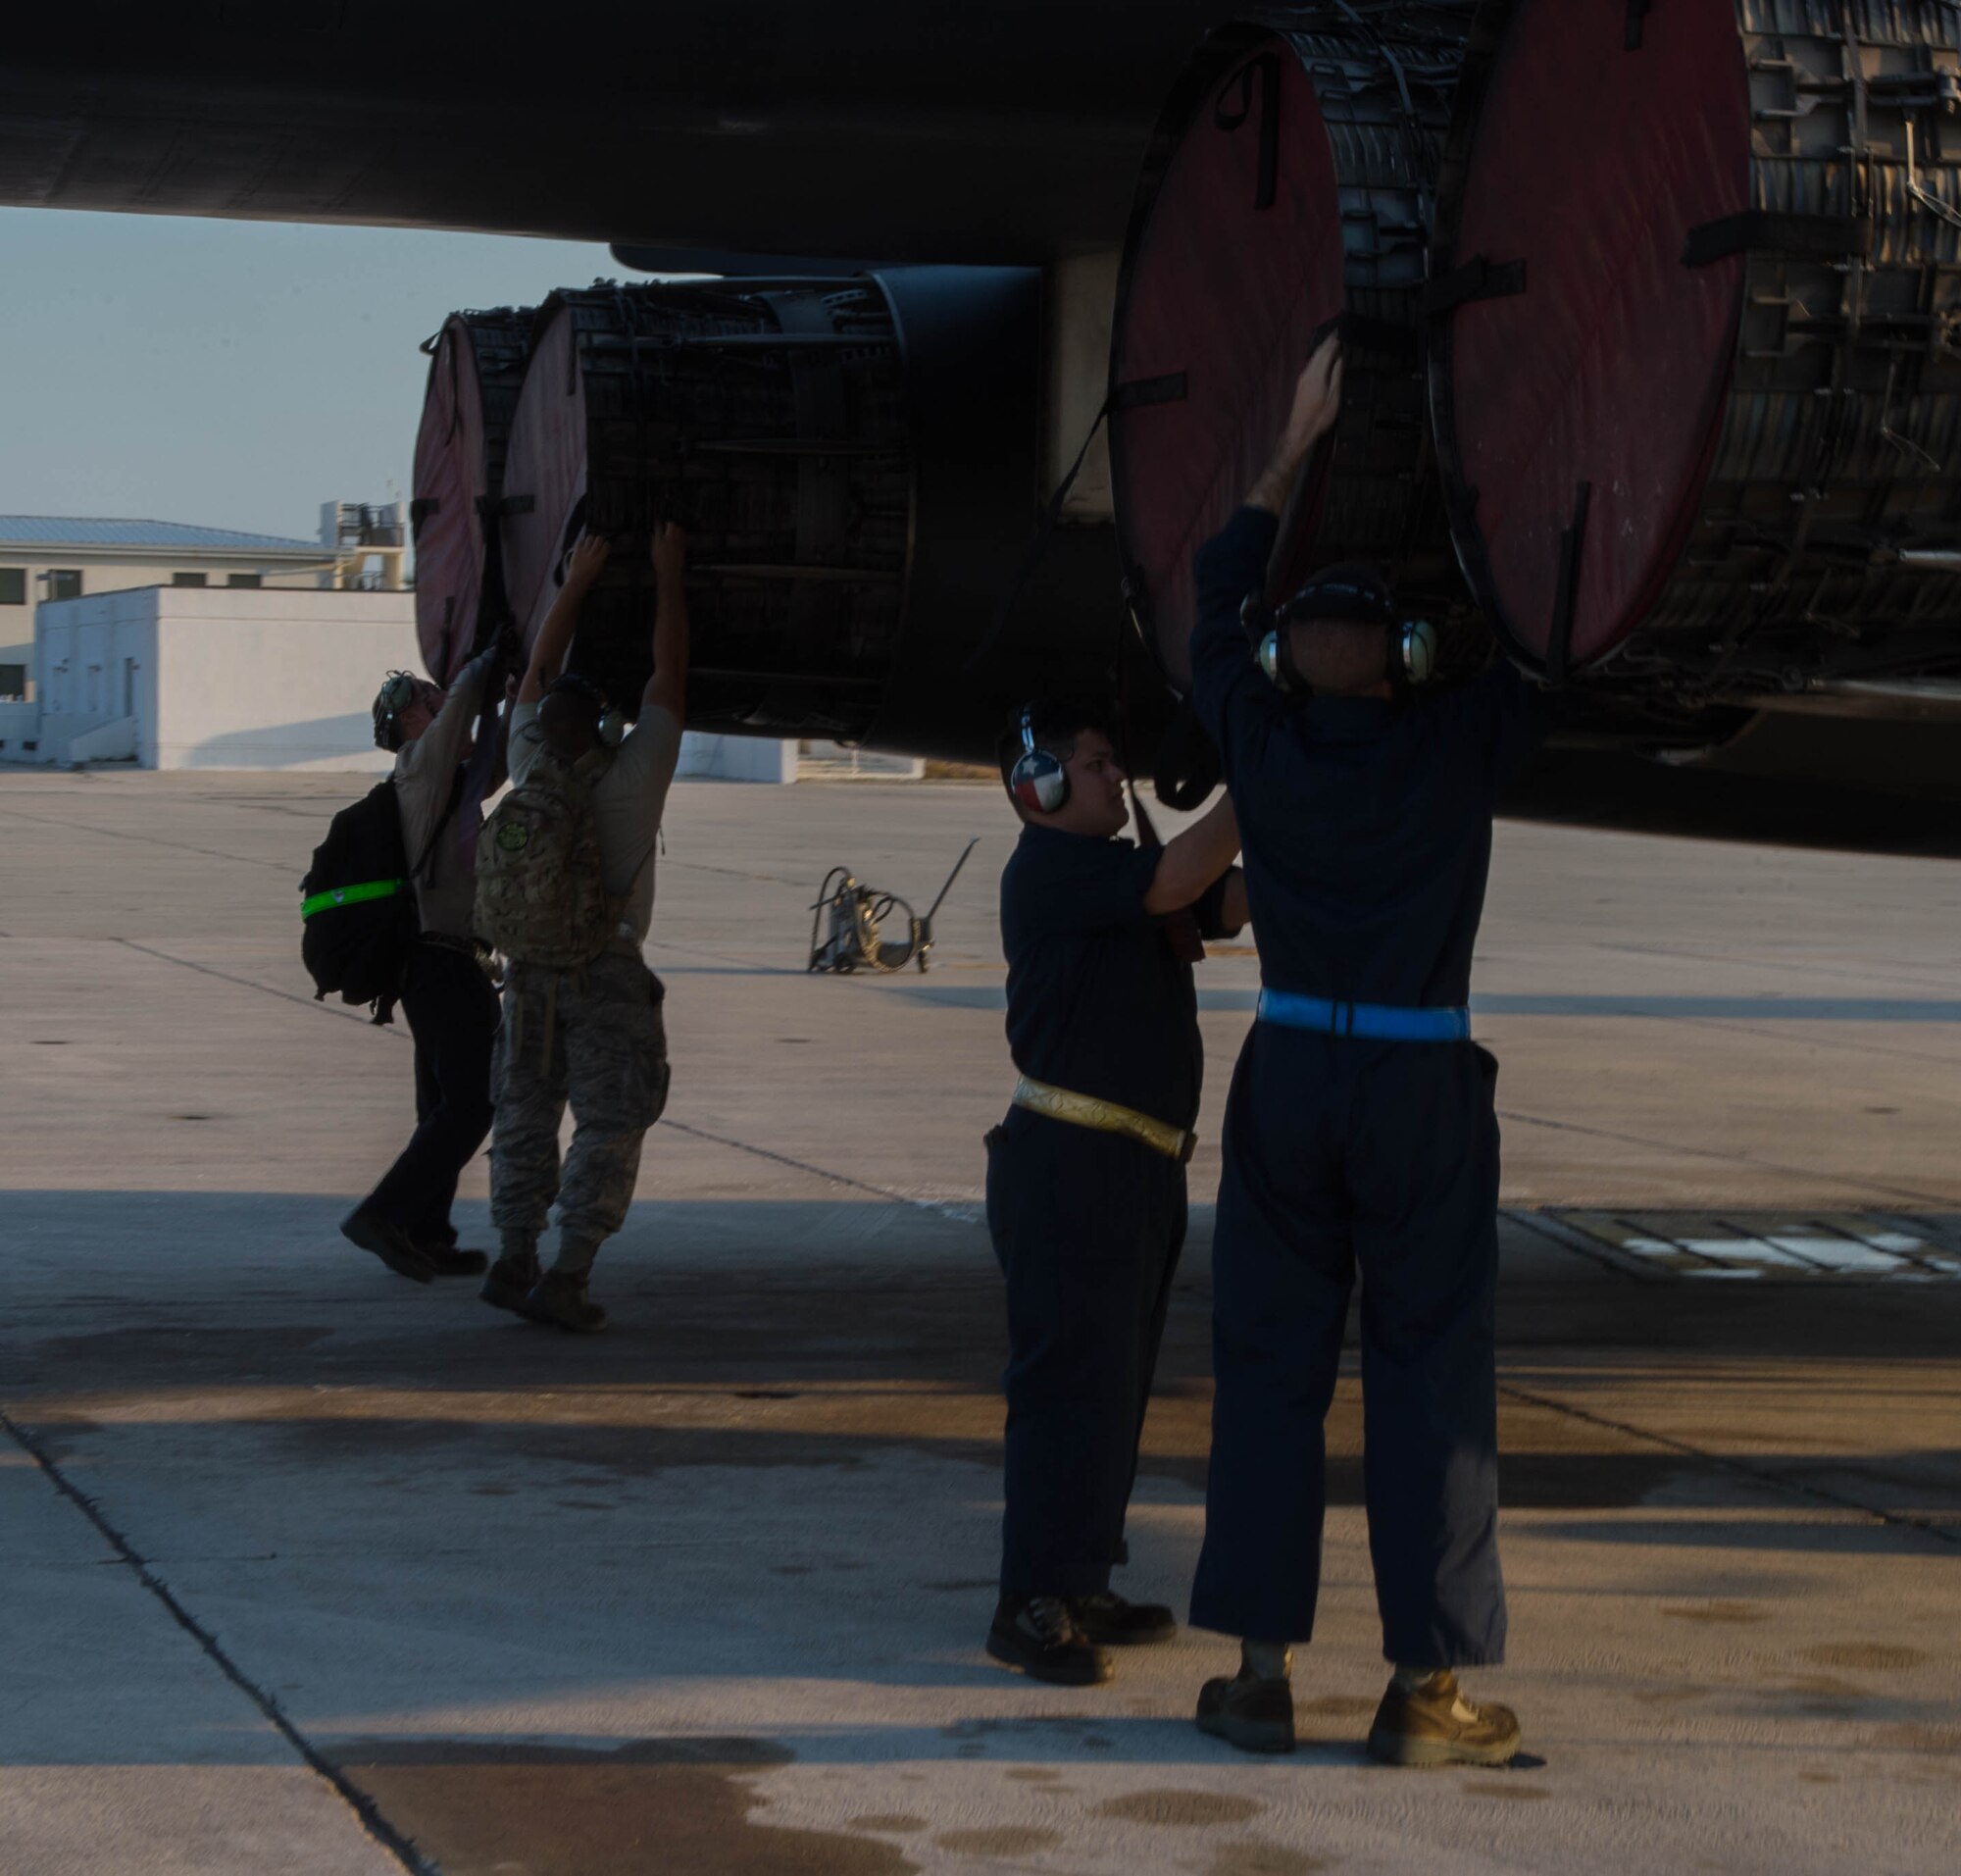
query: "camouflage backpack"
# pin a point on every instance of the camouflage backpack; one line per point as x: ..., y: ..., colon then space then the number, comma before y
x: 541, y: 894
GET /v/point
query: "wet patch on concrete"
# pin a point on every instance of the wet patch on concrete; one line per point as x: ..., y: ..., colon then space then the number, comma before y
x: 1716, y: 1612
x: 1006, y: 1839
x: 1179, y: 1808
x: 1824, y: 1697
x: 648, y: 1808
x: 889, y: 1823
x: 1264, y: 1860
x: 1668, y: 1696
x: 1873, y: 1656
x: 1917, y: 1737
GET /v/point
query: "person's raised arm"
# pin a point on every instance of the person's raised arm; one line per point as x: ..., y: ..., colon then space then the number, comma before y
x: 1233, y: 563
x: 554, y: 639
x: 1192, y: 861
x: 1317, y: 403
x: 666, y: 688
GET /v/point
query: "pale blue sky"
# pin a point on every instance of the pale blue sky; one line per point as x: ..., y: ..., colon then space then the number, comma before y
x: 231, y: 374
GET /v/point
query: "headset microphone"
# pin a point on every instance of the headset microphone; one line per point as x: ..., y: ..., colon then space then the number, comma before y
x: 1038, y: 780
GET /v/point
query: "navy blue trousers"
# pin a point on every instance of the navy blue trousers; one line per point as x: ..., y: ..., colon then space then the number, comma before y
x: 1383, y: 1157
x: 1087, y: 1227
x: 453, y: 1014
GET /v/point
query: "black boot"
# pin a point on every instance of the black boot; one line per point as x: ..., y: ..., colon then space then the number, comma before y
x: 388, y: 1241
x: 1111, y: 1622
x: 446, y: 1260
x: 1249, y: 1711
x: 1038, y: 1635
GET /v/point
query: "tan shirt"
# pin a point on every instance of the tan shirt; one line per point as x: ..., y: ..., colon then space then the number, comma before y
x: 425, y: 772
x: 629, y: 798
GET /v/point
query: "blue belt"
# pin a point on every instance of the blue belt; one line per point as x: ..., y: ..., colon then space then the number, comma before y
x: 1378, y: 1022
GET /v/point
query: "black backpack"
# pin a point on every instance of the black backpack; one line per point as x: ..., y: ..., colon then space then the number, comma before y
x: 358, y: 907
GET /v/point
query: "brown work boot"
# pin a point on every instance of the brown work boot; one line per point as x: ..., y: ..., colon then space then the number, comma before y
x: 1432, y: 1724
x: 560, y: 1297
x: 1249, y: 1711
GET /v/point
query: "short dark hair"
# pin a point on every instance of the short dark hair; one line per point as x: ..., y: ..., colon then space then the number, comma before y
x: 569, y: 714
x: 1055, y: 723
x: 1351, y: 593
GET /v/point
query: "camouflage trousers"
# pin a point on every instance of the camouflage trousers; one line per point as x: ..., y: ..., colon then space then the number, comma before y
x: 595, y: 1038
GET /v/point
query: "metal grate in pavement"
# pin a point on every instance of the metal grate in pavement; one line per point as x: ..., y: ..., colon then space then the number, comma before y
x: 1815, y: 1246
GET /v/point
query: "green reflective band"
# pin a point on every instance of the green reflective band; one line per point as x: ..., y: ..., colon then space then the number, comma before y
x: 351, y: 896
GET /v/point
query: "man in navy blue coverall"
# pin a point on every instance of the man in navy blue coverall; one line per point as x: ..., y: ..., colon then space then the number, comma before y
x: 1360, y: 1135
x: 1085, y: 1177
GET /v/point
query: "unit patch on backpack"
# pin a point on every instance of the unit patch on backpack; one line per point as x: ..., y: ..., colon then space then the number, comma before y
x: 541, y: 893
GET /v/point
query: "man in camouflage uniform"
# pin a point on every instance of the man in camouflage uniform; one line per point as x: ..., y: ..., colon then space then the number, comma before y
x: 591, y: 1034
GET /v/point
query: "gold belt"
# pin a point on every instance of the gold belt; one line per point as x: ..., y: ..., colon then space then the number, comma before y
x: 1106, y: 1117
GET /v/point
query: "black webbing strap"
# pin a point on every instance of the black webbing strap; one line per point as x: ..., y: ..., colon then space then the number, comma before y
x: 1266, y: 70
x: 1141, y: 393
x: 1566, y: 598
x: 1637, y: 13
x: 1479, y: 278
x: 1812, y: 237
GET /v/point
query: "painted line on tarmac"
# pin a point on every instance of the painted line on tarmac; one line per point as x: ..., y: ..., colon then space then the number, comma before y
x: 364, y: 1807
x: 1900, y: 1520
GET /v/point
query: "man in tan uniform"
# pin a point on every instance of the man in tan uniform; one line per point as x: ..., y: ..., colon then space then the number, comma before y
x: 592, y: 1034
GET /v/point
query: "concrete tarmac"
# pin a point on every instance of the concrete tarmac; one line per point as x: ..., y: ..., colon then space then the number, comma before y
x: 313, y: 1570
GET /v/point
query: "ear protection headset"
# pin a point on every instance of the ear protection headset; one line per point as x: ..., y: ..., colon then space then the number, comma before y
x: 1037, y: 781
x: 1411, y: 643
x: 610, y: 726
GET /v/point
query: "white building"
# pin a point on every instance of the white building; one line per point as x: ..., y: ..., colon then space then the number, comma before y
x: 60, y: 557
x: 208, y: 677
x: 212, y: 678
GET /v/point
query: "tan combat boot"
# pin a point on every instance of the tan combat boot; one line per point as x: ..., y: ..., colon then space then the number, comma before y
x: 1432, y: 1723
